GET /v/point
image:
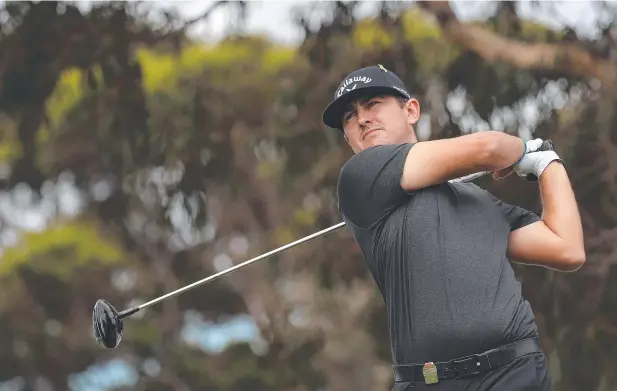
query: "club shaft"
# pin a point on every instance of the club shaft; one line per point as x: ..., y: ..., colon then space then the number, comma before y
x: 130, y: 311
x: 243, y: 264
x: 470, y: 177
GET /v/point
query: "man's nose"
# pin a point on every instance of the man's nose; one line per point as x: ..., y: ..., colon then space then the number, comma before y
x: 364, y: 117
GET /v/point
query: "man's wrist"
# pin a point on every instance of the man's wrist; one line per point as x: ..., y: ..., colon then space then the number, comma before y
x: 523, y: 153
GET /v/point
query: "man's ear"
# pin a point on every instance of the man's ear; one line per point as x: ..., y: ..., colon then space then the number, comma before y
x: 413, y: 111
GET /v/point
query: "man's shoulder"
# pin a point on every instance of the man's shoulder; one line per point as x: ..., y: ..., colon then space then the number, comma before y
x: 375, y: 154
x: 369, y: 186
x: 363, y: 155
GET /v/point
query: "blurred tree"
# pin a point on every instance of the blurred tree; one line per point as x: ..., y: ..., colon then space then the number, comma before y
x: 145, y: 161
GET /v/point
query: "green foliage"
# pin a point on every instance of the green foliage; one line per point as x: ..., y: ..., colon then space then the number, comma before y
x: 161, y: 71
x: 10, y: 148
x: 419, y: 28
x: 424, y: 35
x: 368, y: 34
x: 239, y: 123
x: 69, y: 90
x: 60, y: 250
x: 536, y: 32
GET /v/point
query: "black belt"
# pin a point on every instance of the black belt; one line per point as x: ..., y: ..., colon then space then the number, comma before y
x: 466, y: 366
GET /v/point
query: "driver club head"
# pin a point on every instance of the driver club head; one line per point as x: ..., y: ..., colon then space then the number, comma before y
x: 107, y: 324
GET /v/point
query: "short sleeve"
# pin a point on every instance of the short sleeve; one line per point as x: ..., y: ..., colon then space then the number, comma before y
x: 517, y: 217
x: 369, y: 185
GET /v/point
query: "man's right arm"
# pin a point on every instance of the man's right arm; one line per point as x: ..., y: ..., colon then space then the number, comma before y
x: 557, y: 242
x: 432, y: 162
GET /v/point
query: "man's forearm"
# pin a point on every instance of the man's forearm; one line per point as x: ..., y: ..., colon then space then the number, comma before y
x: 560, y: 210
x: 505, y: 150
x: 436, y: 161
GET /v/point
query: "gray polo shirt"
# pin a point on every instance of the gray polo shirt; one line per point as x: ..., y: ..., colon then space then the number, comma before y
x: 438, y: 256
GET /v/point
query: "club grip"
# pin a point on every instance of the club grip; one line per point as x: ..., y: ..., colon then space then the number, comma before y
x: 547, y: 145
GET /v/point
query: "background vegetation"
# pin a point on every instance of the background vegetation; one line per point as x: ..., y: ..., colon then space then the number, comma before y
x: 134, y: 160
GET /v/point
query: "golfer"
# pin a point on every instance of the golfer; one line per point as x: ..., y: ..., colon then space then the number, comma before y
x: 440, y: 252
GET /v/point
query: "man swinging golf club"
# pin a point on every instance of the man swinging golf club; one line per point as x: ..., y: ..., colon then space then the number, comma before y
x: 438, y: 251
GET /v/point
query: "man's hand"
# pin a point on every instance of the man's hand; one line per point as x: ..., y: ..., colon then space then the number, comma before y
x: 535, y: 163
x: 530, y: 146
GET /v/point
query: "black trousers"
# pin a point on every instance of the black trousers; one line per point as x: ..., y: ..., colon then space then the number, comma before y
x: 525, y: 373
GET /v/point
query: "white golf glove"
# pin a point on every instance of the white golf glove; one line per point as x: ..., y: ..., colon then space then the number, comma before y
x: 534, y: 163
x: 533, y: 145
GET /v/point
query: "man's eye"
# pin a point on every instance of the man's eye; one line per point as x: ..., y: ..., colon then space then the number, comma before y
x: 373, y: 103
x: 348, y: 117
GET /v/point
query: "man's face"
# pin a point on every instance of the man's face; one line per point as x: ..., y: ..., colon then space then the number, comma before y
x: 379, y: 120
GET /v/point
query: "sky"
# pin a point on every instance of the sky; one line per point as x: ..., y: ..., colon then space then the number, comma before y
x: 270, y: 18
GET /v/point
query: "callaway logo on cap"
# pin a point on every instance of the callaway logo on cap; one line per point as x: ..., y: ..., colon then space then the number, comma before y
x: 369, y: 80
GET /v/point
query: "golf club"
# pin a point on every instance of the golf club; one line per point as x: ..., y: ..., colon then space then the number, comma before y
x: 107, y: 322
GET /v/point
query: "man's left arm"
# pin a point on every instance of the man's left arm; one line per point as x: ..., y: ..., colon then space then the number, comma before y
x: 556, y: 241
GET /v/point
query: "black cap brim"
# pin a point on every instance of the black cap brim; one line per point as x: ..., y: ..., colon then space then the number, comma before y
x: 333, y: 114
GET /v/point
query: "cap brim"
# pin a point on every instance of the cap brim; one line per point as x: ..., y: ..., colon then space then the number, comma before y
x: 333, y: 114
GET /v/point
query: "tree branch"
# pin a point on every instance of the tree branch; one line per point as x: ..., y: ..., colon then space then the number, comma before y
x: 566, y: 58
